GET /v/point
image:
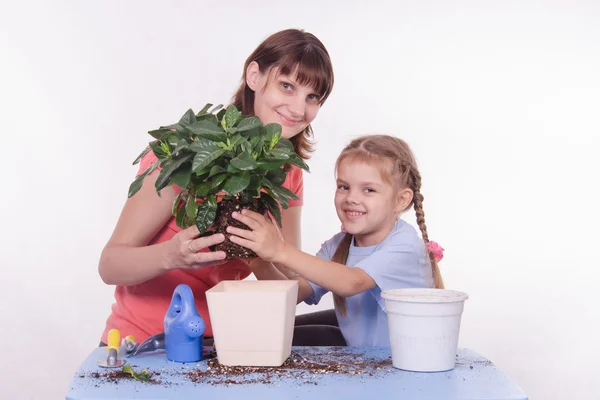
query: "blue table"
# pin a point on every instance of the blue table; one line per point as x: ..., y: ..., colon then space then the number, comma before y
x: 310, y: 373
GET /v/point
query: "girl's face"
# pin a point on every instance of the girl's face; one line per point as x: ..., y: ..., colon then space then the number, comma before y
x: 282, y: 100
x: 366, y: 205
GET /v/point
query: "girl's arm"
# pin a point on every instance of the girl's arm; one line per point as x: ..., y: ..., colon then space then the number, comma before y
x: 265, y: 241
x: 128, y: 260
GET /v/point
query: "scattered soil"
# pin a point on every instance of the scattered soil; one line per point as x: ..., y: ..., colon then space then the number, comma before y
x: 303, y: 368
x: 297, y: 367
x: 224, y: 219
x: 477, y: 363
x: 113, y: 377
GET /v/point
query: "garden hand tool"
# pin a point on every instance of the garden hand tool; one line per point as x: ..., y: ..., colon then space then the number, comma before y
x: 112, y: 360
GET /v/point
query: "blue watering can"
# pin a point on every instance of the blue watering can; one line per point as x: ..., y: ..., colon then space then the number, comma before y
x: 184, y: 328
x: 184, y: 331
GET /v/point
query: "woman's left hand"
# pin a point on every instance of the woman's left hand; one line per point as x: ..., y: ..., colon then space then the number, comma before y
x: 264, y: 238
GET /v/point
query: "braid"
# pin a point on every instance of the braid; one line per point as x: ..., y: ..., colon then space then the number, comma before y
x: 418, y: 206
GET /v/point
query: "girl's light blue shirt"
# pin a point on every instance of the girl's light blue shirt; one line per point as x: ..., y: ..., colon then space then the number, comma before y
x: 400, y: 261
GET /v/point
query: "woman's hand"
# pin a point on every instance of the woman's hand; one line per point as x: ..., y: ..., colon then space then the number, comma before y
x: 186, y: 250
x: 264, y: 238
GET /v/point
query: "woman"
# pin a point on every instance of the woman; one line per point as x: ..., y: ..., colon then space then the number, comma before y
x: 285, y: 80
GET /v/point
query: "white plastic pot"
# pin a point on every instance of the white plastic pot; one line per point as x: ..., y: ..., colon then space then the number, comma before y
x: 253, y: 321
x: 424, y: 326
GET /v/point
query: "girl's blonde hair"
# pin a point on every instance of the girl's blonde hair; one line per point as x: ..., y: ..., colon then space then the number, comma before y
x: 398, y: 167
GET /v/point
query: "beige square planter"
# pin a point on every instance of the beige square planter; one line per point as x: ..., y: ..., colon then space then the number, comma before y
x: 253, y: 321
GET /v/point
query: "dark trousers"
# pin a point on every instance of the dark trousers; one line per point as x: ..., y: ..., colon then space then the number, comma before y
x: 320, y: 328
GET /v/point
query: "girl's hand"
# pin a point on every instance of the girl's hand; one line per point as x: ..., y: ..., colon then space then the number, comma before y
x: 186, y: 250
x: 264, y: 238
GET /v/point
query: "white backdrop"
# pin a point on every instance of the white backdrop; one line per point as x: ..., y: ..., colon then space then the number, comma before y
x: 499, y: 100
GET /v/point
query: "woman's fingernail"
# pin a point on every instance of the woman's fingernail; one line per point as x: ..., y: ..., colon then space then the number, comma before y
x: 244, y: 211
x: 235, y: 214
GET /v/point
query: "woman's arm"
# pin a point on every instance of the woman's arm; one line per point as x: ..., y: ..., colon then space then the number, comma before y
x: 126, y: 258
x: 265, y: 241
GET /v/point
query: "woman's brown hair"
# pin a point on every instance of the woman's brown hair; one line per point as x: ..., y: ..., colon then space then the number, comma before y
x: 291, y: 51
x: 385, y: 151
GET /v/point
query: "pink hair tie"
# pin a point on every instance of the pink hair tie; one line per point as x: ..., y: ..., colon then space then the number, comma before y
x: 435, y: 249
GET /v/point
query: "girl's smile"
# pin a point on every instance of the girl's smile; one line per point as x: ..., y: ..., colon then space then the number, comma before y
x: 365, y: 203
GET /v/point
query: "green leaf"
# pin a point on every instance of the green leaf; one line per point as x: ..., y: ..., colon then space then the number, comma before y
x: 284, y: 144
x: 232, y: 170
x: 181, y: 177
x: 276, y: 176
x: 207, y: 130
x: 181, y: 144
x: 257, y: 143
x: 283, y: 201
x: 136, y: 185
x: 142, y: 154
x: 217, y: 169
x: 181, y: 218
x: 204, y: 110
x: 206, y: 152
x: 244, y: 162
x: 246, y: 147
x: 160, y: 133
x: 210, y: 118
x: 143, y: 376
x: 271, y: 134
x: 176, y: 202
x: 266, y: 183
x: 272, y: 206
x: 158, y: 148
x: 297, y: 161
x: 270, y: 164
x: 173, y: 139
x: 255, y: 183
x: 218, y: 107
x: 237, y: 140
x: 217, y: 180
x: 191, y: 207
x: 207, y: 212
x: 283, y: 194
x: 248, y: 123
x: 203, y: 190
x: 237, y: 183
x: 280, y: 154
x: 167, y: 171
x: 221, y: 114
x: 231, y: 117
x: 188, y: 118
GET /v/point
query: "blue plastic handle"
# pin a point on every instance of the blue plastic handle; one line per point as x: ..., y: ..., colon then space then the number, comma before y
x: 184, y: 328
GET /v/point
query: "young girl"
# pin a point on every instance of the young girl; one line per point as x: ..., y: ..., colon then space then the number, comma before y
x: 285, y: 80
x: 377, y: 179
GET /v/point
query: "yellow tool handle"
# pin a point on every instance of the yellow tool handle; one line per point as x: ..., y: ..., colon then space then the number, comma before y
x: 114, y: 340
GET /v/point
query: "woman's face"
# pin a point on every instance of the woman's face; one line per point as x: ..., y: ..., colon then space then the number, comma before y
x: 281, y: 99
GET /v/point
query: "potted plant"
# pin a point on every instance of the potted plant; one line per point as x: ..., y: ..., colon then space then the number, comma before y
x: 223, y: 162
